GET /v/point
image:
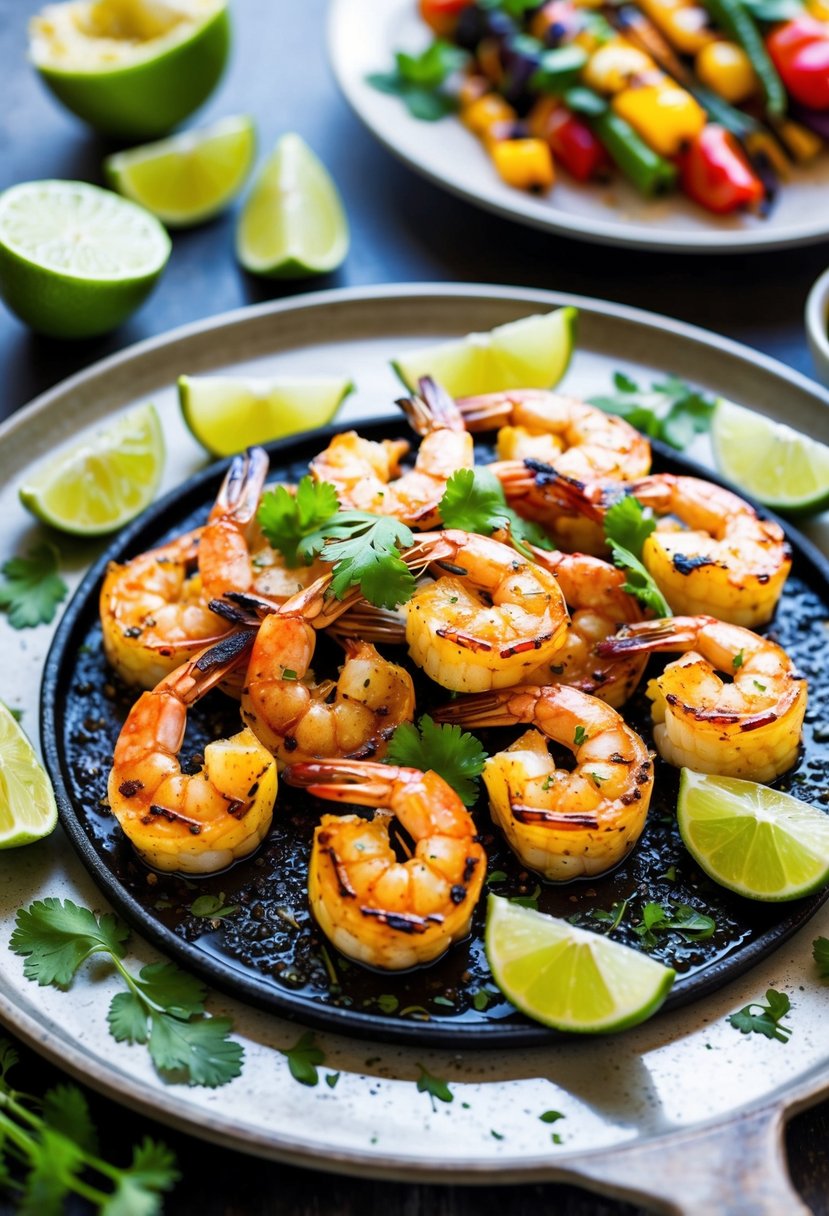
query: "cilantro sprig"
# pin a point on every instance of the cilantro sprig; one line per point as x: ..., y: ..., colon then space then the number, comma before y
x: 49, y: 1151
x: 418, y: 80
x: 820, y: 953
x: 691, y: 925
x: 435, y: 1087
x: 455, y: 755
x: 163, y: 1007
x: 626, y: 528
x: 474, y: 501
x: 670, y: 410
x: 765, y: 1019
x: 33, y: 588
x: 364, y: 549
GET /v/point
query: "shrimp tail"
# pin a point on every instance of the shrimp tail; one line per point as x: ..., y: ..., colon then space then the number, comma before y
x: 363, y: 783
x: 432, y: 410
x: 242, y: 487
x: 487, y: 412
x: 493, y: 708
x: 369, y: 624
x: 667, y: 634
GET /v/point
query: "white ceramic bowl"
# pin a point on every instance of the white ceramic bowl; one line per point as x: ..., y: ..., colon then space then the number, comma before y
x: 817, y: 325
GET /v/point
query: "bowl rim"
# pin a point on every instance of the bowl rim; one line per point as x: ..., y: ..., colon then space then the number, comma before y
x: 817, y: 321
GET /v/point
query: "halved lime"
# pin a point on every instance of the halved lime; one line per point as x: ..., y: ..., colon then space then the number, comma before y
x: 531, y: 353
x: 27, y: 802
x: 131, y: 68
x: 76, y: 260
x: 102, y: 481
x: 187, y: 178
x: 226, y: 415
x: 781, y: 467
x: 568, y: 978
x: 757, y: 841
x: 294, y: 224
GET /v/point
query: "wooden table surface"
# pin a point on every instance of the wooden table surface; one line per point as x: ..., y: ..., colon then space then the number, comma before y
x: 403, y: 229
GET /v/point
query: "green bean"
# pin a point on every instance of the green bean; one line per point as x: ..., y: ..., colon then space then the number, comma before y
x: 650, y: 173
x: 737, y: 21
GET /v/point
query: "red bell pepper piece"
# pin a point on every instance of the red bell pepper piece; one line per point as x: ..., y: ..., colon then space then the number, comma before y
x: 715, y: 173
x: 799, y: 50
x: 575, y: 146
x: 442, y: 15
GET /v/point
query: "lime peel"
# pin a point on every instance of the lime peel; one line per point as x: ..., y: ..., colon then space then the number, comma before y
x: 28, y: 810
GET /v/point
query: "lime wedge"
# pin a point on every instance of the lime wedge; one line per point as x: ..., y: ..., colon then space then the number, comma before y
x: 102, y: 481
x: 568, y: 978
x: 76, y: 260
x: 757, y: 841
x: 293, y: 225
x: 781, y: 467
x: 187, y: 178
x: 27, y: 801
x: 227, y: 415
x: 131, y: 68
x: 531, y: 353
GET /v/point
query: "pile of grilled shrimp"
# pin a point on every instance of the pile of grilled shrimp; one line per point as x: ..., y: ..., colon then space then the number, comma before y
x: 548, y: 642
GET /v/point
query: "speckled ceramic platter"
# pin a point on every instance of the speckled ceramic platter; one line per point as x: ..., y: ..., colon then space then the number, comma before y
x: 632, y: 1103
x: 270, y: 951
x: 363, y: 37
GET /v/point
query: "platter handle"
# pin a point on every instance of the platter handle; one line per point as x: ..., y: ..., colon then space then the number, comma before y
x: 730, y: 1169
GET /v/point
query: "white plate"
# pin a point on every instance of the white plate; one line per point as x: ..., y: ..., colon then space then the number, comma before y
x: 362, y: 38
x: 677, y: 1072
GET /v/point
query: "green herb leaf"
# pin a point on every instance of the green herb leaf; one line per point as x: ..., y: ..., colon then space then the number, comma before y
x: 387, y: 1002
x: 626, y: 528
x: 304, y: 1058
x: 139, y: 1187
x: 128, y: 1018
x: 364, y: 551
x: 331, y: 1079
x: 432, y: 67
x: 33, y: 588
x: 528, y: 901
x: 435, y: 1087
x: 497, y: 876
x: 671, y: 410
x: 166, y: 985
x: 691, y: 925
x: 200, y: 1048
x: 52, y: 1176
x: 66, y: 1110
x: 417, y: 80
x: 474, y: 502
x: 455, y: 755
x: 213, y: 907
x: 820, y: 953
x: 286, y: 519
x: 551, y: 1116
x: 738, y: 660
x: 56, y: 937
x: 765, y: 1019
x: 580, y: 736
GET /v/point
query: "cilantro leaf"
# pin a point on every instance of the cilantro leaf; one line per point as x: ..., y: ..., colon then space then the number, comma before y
x: 33, y: 588
x: 200, y: 1048
x: 139, y: 1187
x: 671, y: 410
x: 55, y: 938
x: 417, y: 80
x: 213, y: 907
x: 56, y: 1165
x: 304, y: 1058
x: 455, y: 755
x: 127, y: 1018
x: 551, y: 1116
x: 626, y: 525
x: 474, y: 501
x: 767, y: 1020
x: 364, y: 551
x: 66, y: 1110
x: 164, y: 984
x: 820, y: 953
x: 286, y: 518
x: 435, y: 1087
x: 431, y: 68
x: 691, y: 925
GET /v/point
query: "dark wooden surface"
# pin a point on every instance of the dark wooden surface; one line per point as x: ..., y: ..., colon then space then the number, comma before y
x: 402, y: 229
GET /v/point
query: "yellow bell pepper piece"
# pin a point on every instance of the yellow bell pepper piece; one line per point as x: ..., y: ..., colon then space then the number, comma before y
x: 683, y: 23
x: 663, y: 114
x: 526, y: 164
x: 726, y: 69
x: 612, y: 67
x: 488, y: 111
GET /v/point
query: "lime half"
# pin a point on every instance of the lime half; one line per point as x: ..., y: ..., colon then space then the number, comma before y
x: 27, y: 801
x: 76, y: 260
x: 294, y: 224
x: 531, y: 353
x: 781, y: 467
x: 187, y: 178
x: 103, y: 481
x: 568, y: 978
x: 227, y: 415
x: 754, y: 840
x: 131, y: 68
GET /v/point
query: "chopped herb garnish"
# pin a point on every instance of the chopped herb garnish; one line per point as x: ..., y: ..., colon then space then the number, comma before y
x: 820, y: 953
x: 691, y: 925
x: 551, y: 1116
x: 580, y: 736
x: 758, y: 685
x: 163, y: 1007
x: 613, y: 918
x: 528, y: 901
x: 288, y: 673
x: 33, y: 588
x: 496, y: 1135
x: 474, y: 501
x: 331, y: 1079
x: 481, y: 1000
x: 765, y: 1019
x: 455, y: 755
x: 556, y: 1138
x: 212, y: 907
x: 738, y: 660
x: 548, y: 781
x: 387, y: 1002
x: 597, y: 780
x: 671, y: 410
x: 670, y: 874
x: 417, y: 80
x: 304, y: 1059
x: 626, y: 528
x: 443, y: 1000
x: 435, y: 1087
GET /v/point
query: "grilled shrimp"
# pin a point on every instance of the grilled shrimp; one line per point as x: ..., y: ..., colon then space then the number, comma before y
x: 564, y: 824
x: 733, y: 704
x: 598, y: 606
x: 153, y: 612
x: 578, y: 439
x: 367, y: 475
x: 489, y: 622
x: 710, y: 552
x: 195, y: 823
x: 375, y: 909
